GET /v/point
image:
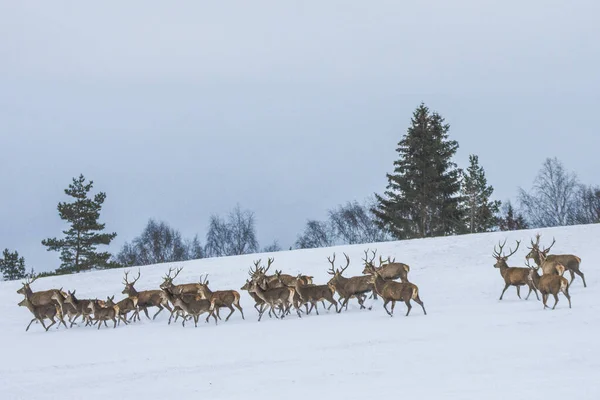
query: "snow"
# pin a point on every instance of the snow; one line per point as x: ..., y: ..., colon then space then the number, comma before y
x: 469, y: 346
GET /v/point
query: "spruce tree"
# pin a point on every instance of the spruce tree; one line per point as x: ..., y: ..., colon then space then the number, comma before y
x: 512, y: 221
x: 480, y: 212
x: 12, y: 266
x: 78, y: 247
x: 422, y: 197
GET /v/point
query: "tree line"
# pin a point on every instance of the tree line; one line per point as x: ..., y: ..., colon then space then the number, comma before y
x: 427, y: 195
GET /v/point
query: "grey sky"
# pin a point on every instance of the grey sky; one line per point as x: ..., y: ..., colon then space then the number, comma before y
x: 182, y: 109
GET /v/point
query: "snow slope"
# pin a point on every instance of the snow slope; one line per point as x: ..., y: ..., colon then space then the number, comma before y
x: 469, y: 346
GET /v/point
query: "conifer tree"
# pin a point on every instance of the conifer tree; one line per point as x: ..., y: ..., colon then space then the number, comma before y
x: 511, y: 221
x: 422, y: 197
x: 480, y: 212
x: 12, y: 266
x: 78, y: 248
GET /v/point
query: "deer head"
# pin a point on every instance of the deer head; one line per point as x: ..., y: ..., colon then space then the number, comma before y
x: 168, y: 279
x: 502, y: 258
x: 129, y: 289
x: 26, y: 289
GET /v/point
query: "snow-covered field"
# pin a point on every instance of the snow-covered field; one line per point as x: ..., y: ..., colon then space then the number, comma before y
x: 469, y: 346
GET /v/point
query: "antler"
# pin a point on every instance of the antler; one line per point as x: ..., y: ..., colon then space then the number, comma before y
x: 547, y: 250
x: 171, y: 278
x: 498, y: 254
x: 331, y: 271
x: 269, y: 262
x: 134, y: 281
x: 347, y: 263
x: 367, y: 256
x: 205, y: 282
x: 513, y: 252
x: 530, y: 266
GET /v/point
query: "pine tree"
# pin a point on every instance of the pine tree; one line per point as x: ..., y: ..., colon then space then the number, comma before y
x: 12, y: 266
x: 511, y: 221
x: 78, y: 247
x: 422, y: 197
x: 480, y: 211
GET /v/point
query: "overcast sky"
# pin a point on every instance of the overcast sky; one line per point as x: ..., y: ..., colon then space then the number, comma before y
x: 182, y: 109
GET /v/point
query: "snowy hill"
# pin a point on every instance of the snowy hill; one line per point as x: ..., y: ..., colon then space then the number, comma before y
x: 469, y: 346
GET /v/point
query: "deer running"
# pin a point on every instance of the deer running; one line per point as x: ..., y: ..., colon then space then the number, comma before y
x: 513, y: 276
x: 548, y: 262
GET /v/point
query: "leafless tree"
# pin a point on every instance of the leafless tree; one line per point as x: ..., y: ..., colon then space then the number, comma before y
x: 552, y: 200
x: 354, y: 223
x: 587, y: 205
x: 316, y: 234
x: 234, y: 235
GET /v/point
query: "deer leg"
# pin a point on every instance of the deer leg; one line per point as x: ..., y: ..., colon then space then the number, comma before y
x: 505, y: 287
x: 385, y: 303
x: 196, y: 320
x: 555, y: 300
x: 572, y: 276
x: 333, y: 303
x: 419, y: 302
x: 123, y: 318
x: 518, y: 291
x: 344, y: 303
x: 61, y: 320
x: 114, y: 322
x: 566, y: 293
x: 160, y: 308
x: 231, y: 312
x: 49, y: 326
x: 578, y: 272
x: 545, y: 299
x: 145, y: 309
x: 407, y: 301
x: 237, y: 305
x: 35, y: 319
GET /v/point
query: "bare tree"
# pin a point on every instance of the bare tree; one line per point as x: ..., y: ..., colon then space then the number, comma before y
x: 316, y: 234
x: 552, y: 200
x: 232, y: 236
x: 354, y: 223
x: 272, y: 248
x: 587, y: 205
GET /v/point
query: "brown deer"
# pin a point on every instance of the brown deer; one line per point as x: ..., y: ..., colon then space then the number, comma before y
x: 193, y: 306
x: 357, y: 286
x: 146, y: 298
x: 552, y: 284
x: 278, y: 279
x: 387, y: 269
x: 282, y: 298
x: 40, y: 313
x: 548, y: 262
x: 41, y: 298
x: 186, y: 288
x: 220, y: 298
x: 314, y: 293
x: 124, y: 307
x: 78, y: 307
x: 395, y: 291
x: 258, y: 302
x: 109, y: 311
x: 178, y: 298
x: 513, y: 276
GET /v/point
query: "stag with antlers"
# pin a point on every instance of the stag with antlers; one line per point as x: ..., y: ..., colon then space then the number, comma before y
x: 42, y: 298
x: 392, y: 291
x: 549, y: 262
x: 347, y: 288
x: 388, y: 269
x: 146, y: 298
x: 513, y: 276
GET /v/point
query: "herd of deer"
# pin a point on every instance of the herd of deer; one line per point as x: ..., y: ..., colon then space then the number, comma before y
x: 279, y: 293
x: 551, y: 282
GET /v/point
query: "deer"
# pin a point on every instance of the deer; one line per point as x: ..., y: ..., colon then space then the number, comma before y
x: 393, y: 291
x: 278, y: 279
x: 513, y: 276
x: 146, y: 298
x: 548, y: 262
x: 312, y: 294
x: 282, y: 298
x: 175, y: 299
x: 40, y: 313
x: 186, y: 288
x: 41, y: 298
x: 551, y: 284
x: 110, y: 311
x: 193, y: 305
x: 78, y: 307
x: 220, y: 298
x: 357, y: 286
x: 388, y: 269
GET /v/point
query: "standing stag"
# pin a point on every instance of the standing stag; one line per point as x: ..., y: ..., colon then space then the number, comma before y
x: 513, y: 276
x: 552, y: 284
x: 388, y: 269
x: 395, y: 291
x: 357, y: 286
x: 220, y: 298
x: 146, y: 298
x: 548, y: 262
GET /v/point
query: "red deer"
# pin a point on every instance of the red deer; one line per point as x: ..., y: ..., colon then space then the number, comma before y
x: 193, y: 306
x: 357, y: 286
x: 513, y: 276
x: 552, y: 284
x: 41, y: 298
x: 282, y: 298
x: 220, y: 298
x: 146, y: 298
x: 258, y: 302
x: 314, y: 293
x: 186, y: 288
x: 47, y: 311
x: 110, y: 311
x: 569, y: 261
x: 79, y: 306
x: 390, y: 270
x: 278, y: 279
x: 395, y: 291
